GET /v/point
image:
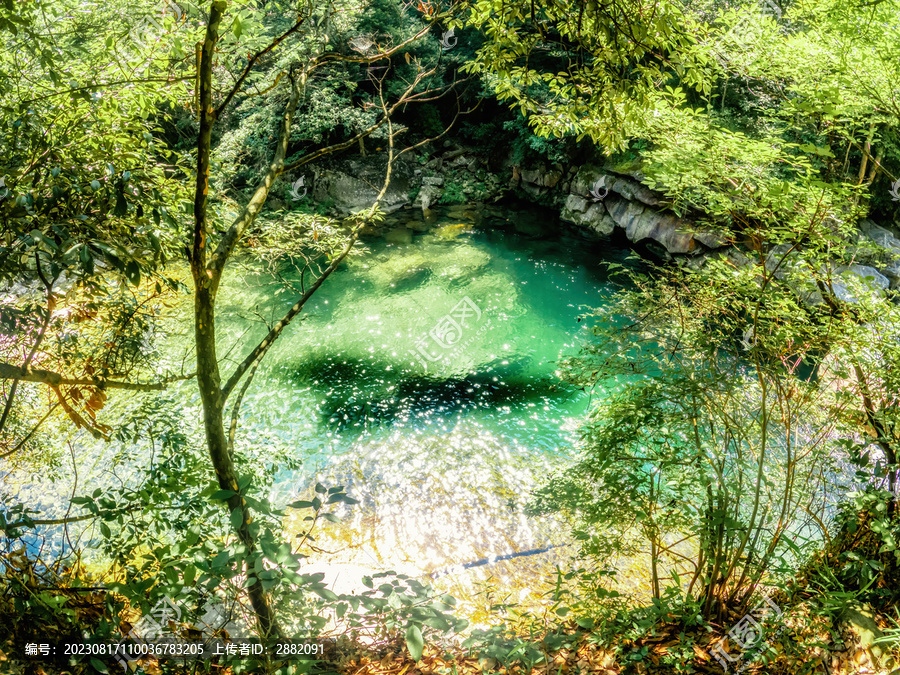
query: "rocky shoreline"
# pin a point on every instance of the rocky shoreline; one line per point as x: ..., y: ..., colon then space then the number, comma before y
x: 597, y: 196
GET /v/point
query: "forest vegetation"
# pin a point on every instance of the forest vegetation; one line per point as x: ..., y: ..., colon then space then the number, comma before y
x: 739, y: 452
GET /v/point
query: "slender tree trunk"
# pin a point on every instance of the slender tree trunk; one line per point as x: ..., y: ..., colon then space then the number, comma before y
x: 865, y: 156
x: 206, y: 283
x: 876, y: 165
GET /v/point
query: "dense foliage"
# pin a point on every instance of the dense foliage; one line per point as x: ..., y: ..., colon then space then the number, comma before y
x: 141, y: 140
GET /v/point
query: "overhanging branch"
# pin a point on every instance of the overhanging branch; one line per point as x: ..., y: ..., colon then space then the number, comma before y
x: 259, y: 351
x: 248, y: 214
x: 48, y: 377
x: 403, y: 99
x: 251, y: 63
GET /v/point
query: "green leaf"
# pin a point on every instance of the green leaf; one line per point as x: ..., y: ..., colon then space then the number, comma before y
x: 415, y: 642
x: 326, y: 594
x: 98, y: 665
x: 223, y: 494
x: 121, y: 208
x: 133, y: 272
x: 237, y: 518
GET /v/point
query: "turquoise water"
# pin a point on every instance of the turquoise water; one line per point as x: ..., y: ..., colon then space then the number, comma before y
x: 421, y: 337
x: 422, y: 375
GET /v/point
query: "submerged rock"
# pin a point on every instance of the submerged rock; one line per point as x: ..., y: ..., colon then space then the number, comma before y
x: 450, y: 232
x: 403, y: 264
x: 412, y: 279
x: 399, y: 235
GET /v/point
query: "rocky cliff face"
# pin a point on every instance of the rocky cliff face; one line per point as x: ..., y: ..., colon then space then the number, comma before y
x: 599, y: 198
x: 590, y: 196
x: 596, y: 196
x: 353, y: 184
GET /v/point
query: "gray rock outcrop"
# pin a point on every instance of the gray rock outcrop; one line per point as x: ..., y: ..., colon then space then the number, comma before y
x: 353, y: 185
x: 595, y: 195
x: 600, y: 200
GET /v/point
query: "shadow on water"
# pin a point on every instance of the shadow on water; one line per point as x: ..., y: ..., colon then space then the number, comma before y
x: 358, y: 393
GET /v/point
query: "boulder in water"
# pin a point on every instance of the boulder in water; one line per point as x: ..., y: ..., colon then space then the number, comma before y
x: 450, y: 232
x: 399, y: 235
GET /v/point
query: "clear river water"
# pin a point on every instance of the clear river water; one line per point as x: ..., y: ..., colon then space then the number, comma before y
x: 421, y: 376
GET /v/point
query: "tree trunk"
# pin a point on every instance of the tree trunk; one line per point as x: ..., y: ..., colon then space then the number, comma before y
x: 209, y: 381
x: 206, y: 283
x: 865, y: 156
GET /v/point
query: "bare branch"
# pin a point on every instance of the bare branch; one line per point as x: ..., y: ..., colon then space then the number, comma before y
x: 235, y: 411
x: 403, y: 99
x: 29, y: 522
x: 259, y: 351
x: 251, y: 63
x: 334, y: 57
x: 21, y: 444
